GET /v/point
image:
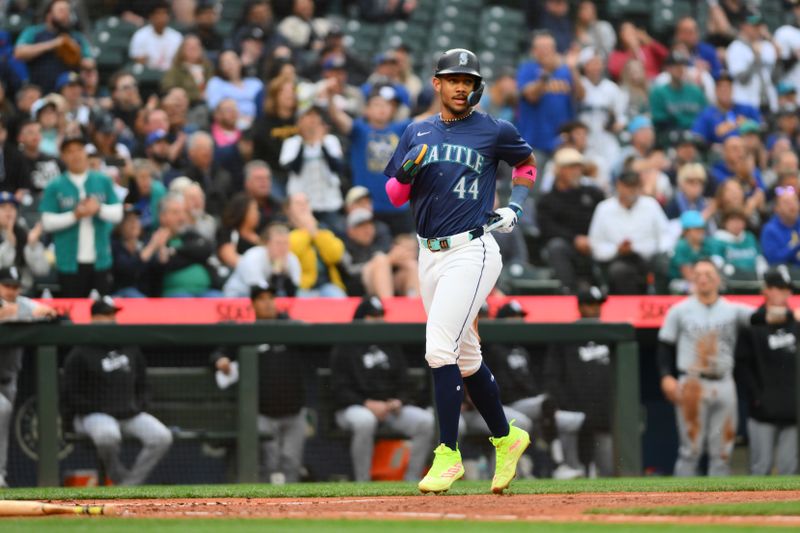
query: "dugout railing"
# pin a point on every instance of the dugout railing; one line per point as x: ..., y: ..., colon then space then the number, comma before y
x: 46, y: 338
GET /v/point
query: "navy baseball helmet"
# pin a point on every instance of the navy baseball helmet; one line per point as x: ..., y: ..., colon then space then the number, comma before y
x: 462, y: 61
x: 459, y: 61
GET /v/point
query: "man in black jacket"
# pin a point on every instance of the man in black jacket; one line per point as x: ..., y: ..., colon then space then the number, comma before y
x: 105, y: 388
x: 579, y: 376
x: 765, y: 369
x: 281, y: 394
x: 564, y: 217
x: 370, y: 387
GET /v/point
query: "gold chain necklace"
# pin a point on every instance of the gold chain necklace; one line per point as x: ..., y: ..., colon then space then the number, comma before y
x: 449, y: 120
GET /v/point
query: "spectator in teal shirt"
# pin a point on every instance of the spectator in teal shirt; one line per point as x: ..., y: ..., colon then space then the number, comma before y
x: 735, y: 249
x: 691, y: 247
x: 675, y: 105
x: 80, y: 208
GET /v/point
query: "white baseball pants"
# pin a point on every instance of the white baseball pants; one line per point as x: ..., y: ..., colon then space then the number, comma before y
x: 454, y: 284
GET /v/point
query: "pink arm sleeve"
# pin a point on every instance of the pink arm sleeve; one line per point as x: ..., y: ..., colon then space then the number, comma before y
x: 398, y: 192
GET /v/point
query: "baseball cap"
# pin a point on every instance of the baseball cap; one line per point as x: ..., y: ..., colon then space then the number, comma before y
x: 591, y: 295
x: 9, y: 276
x: 335, y: 62
x: 753, y: 19
x: 512, y: 309
x: 692, y: 220
x: 686, y: 137
x: 52, y: 99
x: 105, y: 306
x: 259, y: 289
x: 639, y: 122
x: 385, y: 91
x: 7, y: 197
x: 385, y: 57
x: 355, y: 194
x: 254, y: 33
x: 786, y: 87
x: 677, y: 58
x: 358, y: 217
x: 777, y: 277
x: 568, y: 156
x: 154, y: 137
x: 369, y: 306
x: 749, y: 126
x: 104, y: 123
x: 588, y: 53
x: 630, y: 178
x: 69, y: 139
x: 67, y: 78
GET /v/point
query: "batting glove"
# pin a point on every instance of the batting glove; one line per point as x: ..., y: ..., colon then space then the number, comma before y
x: 411, y: 164
x: 503, y: 220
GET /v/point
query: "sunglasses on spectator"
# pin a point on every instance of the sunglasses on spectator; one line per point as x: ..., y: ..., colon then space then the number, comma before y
x: 780, y: 191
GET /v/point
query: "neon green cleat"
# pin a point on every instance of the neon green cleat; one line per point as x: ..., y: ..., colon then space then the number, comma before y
x: 508, y: 451
x: 446, y: 469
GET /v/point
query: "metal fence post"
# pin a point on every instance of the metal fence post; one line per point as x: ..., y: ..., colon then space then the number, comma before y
x: 47, y: 415
x: 247, y: 427
x: 627, y: 437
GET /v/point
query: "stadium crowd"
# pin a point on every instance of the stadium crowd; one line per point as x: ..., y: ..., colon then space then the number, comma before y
x: 259, y: 155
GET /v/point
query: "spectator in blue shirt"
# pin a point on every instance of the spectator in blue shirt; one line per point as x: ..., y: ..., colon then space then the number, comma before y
x: 732, y: 164
x: 780, y: 237
x: 704, y: 55
x: 549, y: 87
x: 372, y: 142
x: 718, y: 122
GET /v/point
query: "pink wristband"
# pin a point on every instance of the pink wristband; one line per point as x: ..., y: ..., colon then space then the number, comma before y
x: 525, y: 172
x: 398, y: 192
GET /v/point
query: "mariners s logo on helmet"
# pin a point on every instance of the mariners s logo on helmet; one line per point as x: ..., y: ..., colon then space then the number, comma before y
x: 462, y: 59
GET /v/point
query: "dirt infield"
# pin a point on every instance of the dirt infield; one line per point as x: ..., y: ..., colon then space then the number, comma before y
x: 551, y: 507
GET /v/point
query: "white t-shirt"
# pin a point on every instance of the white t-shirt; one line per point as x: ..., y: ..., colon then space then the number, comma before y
x: 739, y: 56
x: 788, y: 40
x: 158, y: 49
x: 255, y: 267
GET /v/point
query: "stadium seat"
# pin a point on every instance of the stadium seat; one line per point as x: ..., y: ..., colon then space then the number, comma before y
x: 116, y: 26
x: 14, y: 24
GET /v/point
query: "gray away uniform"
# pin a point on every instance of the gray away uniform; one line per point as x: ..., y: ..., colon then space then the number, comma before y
x: 706, y: 412
x: 10, y: 365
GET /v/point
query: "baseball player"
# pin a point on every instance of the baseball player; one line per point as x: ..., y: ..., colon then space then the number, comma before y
x: 13, y: 307
x: 697, y: 339
x: 765, y: 369
x: 105, y: 387
x: 446, y: 165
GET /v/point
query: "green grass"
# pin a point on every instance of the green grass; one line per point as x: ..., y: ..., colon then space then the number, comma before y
x: 790, y: 508
x: 341, y: 490
x: 91, y: 525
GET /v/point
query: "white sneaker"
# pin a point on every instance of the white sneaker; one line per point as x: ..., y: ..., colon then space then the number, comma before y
x: 564, y: 471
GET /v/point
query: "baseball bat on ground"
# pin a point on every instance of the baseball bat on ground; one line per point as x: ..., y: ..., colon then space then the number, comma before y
x: 33, y: 508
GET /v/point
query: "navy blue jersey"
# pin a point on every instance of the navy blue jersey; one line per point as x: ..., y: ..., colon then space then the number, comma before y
x: 454, y: 189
